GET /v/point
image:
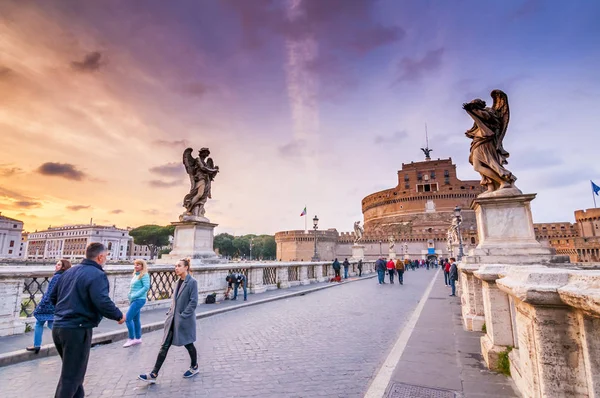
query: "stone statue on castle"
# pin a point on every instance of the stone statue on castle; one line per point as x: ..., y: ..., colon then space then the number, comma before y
x: 488, y: 155
x: 392, y: 242
x: 358, y: 232
x: 202, y: 172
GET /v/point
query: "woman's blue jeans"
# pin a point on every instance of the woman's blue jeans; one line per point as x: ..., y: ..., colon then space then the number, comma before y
x: 38, y: 331
x: 134, y: 324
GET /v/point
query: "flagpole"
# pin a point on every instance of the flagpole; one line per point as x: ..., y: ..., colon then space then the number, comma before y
x: 593, y: 194
x: 306, y: 217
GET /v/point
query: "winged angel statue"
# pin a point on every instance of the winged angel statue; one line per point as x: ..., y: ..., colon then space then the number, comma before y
x: 202, y: 172
x: 488, y: 156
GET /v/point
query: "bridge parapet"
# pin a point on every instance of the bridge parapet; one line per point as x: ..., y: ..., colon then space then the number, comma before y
x: 22, y: 287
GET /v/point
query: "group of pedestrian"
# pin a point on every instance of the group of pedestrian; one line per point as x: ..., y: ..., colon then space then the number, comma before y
x: 77, y: 298
x: 391, y: 268
x: 450, y: 274
x: 346, y: 264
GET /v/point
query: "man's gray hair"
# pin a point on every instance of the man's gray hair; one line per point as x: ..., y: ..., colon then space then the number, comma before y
x: 94, y: 250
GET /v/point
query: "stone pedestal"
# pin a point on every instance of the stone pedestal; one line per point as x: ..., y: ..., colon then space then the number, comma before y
x: 193, y: 239
x: 358, y: 252
x: 506, y: 234
x: 506, y: 237
x: 392, y: 255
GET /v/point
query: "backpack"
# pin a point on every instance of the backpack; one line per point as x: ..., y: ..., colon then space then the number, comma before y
x: 211, y: 298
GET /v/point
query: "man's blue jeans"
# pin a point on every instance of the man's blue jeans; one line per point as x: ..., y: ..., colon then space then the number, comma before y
x: 38, y: 331
x: 391, y: 274
x: 380, y: 275
x: 453, y: 285
x: 133, y: 322
x: 400, y: 277
x: 446, y: 278
x: 345, y: 272
x: 235, y: 289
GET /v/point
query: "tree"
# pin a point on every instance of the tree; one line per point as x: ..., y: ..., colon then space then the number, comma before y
x: 224, y: 243
x: 152, y: 236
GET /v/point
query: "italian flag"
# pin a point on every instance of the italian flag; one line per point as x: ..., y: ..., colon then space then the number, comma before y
x: 303, y: 212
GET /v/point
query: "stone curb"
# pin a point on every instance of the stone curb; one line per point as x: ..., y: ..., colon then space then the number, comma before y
x: 49, y: 350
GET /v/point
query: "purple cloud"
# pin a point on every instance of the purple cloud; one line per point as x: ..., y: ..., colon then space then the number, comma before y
x: 169, y: 170
x: 77, y: 207
x: 163, y: 184
x: 64, y: 170
x: 90, y: 63
x: 412, y: 69
x: 117, y: 211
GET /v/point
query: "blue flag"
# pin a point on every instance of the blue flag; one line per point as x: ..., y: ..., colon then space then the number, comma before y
x: 595, y: 188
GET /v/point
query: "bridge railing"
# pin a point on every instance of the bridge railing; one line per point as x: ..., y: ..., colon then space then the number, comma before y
x: 22, y: 287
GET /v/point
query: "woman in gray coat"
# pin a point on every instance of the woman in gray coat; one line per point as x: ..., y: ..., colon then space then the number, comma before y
x: 180, y: 325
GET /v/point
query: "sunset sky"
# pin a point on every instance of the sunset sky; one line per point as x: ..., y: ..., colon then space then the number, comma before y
x: 301, y: 102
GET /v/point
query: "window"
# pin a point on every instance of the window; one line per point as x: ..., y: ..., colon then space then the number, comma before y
x: 433, y: 175
x: 419, y: 176
x: 472, y: 240
x: 406, y: 177
x: 12, y: 243
x: 14, y: 225
x: 446, y: 173
x: 406, y: 186
x: 10, y: 252
x: 446, y: 180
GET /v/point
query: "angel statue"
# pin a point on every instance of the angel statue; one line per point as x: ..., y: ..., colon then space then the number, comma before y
x: 358, y: 232
x: 488, y: 156
x: 392, y: 242
x: 202, y: 172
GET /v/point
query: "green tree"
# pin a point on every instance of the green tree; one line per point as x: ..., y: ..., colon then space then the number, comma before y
x: 269, y: 247
x: 224, y: 243
x: 242, y: 245
x: 152, y: 236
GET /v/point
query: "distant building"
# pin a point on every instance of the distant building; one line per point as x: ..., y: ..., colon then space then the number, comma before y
x: 580, y: 241
x: 139, y: 252
x: 23, y: 245
x: 417, y: 213
x: 70, y: 241
x: 10, y: 237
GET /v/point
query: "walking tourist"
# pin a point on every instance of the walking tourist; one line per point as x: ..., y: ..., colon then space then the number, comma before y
x: 380, y: 268
x: 44, y: 312
x: 138, y: 289
x: 453, y: 276
x: 81, y: 300
x: 234, y: 281
x: 391, y: 269
x: 180, y: 325
x: 400, y: 271
x: 446, y: 273
x: 336, y: 268
x: 360, y: 267
x: 346, y: 264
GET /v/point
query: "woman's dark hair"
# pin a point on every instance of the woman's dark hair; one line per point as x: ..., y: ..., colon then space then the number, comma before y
x: 65, y: 264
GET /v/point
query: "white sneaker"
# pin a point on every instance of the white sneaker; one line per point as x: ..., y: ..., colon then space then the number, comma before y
x: 136, y: 341
x: 128, y: 343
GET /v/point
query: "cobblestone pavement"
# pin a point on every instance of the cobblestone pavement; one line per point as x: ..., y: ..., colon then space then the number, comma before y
x: 325, y: 344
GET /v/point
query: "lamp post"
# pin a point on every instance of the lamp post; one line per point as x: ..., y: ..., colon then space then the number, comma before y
x: 251, y: 242
x: 458, y: 217
x: 315, y: 227
x: 380, y: 252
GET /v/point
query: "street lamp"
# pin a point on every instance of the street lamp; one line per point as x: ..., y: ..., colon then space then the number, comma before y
x: 380, y: 253
x: 251, y: 241
x: 315, y: 227
x: 458, y: 217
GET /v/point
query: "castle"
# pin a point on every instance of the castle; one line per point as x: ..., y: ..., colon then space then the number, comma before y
x: 416, y: 214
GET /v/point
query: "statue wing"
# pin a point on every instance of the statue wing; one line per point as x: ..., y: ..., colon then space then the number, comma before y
x: 501, y: 108
x: 189, y: 161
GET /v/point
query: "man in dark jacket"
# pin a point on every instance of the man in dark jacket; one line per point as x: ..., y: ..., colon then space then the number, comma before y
x: 336, y: 267
x: 81, y: 300
x: 380, y: 268
x: 453, y: 276
x: 346, y: 264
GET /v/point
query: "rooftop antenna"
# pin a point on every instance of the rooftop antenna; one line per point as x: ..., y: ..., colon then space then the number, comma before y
x: 427, y: 150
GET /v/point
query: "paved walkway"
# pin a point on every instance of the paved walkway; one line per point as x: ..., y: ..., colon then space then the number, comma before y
x: 441, y: 358
x: 329, y: 343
